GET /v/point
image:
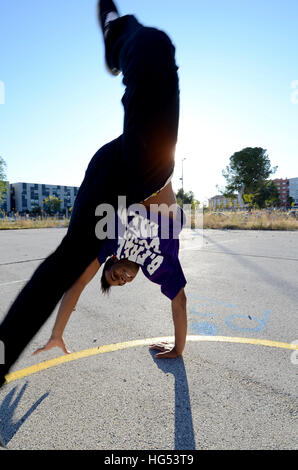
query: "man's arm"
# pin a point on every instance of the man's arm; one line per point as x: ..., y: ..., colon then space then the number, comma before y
x: 66, y: 308
x: 180, y: 326
x: 180, y: 321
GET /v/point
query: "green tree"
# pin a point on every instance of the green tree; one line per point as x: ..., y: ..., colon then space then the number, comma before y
x: 248, y: 199
x: 247, y: 171
x: 186, y: 198
x: 52, y: 205
x: 266, y: 195
x: 3, y: 183
x: 290, y: 201
x: 36, y: 211
x: 183, y: 197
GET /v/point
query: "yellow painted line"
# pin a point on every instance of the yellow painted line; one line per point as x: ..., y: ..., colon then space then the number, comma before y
x: 140, y: 342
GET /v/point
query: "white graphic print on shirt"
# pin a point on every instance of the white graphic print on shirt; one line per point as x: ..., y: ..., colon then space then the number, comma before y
x: 140, y: 244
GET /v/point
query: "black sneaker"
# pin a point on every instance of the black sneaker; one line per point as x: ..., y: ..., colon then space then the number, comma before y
x: 107, y: 9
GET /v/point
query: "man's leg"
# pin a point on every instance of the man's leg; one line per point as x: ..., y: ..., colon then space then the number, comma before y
x: 61, y: 269
x: 146, y: 58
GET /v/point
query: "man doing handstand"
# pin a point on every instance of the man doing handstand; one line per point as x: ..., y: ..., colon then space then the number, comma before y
x: 138, y: 165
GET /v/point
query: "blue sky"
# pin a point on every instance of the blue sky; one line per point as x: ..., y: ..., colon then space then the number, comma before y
x: 237, y: 61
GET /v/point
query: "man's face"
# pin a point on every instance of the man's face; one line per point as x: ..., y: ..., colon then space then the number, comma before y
x: 121, y: 272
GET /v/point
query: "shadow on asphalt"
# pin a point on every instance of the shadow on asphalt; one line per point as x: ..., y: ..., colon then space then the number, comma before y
x: 184, y: 431
x: 8, y: 426
x: 265, y: 275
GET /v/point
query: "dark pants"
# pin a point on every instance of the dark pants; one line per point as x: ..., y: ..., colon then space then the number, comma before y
x: 136, y: 164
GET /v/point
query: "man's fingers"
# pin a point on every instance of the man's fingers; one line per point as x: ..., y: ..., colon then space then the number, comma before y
x: 164, y: 354
x: 161, y: 346
x: 38, y: 351
x: 156, y: 346
x: 160, y: 354
x: 47, y: 347
x: 63, y: 346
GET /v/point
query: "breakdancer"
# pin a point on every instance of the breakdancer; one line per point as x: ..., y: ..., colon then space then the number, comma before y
x: 138, y: 164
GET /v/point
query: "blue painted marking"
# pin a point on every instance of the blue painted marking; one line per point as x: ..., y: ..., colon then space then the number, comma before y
x: 204, y: 328
x: 210, y: 329
x: 195, y: 312
x: 261, y: 322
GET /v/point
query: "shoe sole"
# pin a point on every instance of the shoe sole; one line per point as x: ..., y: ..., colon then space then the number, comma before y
x: 115, y: 72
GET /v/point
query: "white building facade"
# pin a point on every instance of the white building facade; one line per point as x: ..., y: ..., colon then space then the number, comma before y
x: 27, y: 196
x: 293, y: 190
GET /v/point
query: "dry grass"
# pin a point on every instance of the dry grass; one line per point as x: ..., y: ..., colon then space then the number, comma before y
x: 24, y: 223
x: 255, y: 220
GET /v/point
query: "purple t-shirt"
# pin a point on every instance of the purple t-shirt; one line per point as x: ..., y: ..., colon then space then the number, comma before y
x: 152, y: 242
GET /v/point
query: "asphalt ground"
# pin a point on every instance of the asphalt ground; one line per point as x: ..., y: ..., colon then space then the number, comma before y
x: 234, y: 388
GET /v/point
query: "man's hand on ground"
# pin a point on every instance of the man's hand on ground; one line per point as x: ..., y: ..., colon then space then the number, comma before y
x: 168, y: 350
x: 53, y: 343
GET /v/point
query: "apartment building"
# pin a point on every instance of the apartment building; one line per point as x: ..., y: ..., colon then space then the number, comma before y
x: 293, y: 190
x: 283, y: 190
x: 26, y: 196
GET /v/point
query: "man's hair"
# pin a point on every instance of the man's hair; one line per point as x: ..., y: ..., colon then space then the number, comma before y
x: 105, y: 286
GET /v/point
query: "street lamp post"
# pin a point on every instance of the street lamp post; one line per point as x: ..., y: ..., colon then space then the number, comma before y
x: 182, y: 174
